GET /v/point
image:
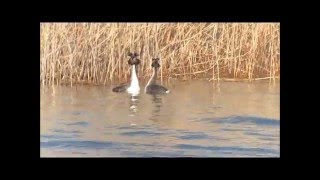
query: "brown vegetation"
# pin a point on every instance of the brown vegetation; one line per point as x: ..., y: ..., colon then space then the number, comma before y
x: 96, y: 53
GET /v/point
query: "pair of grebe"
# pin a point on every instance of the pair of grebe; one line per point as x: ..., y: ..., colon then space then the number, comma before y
x: 133, y: 87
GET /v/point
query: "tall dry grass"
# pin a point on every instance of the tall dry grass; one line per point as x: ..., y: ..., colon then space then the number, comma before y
x: 96, y: 53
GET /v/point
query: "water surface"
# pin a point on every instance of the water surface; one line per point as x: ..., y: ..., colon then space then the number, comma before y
x: 197, y: 119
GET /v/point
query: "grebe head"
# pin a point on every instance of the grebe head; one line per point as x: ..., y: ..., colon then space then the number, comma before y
x: 133, y: 59
x: 155, y: 63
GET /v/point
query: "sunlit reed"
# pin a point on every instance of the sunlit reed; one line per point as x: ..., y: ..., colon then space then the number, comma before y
x: 96, y: 53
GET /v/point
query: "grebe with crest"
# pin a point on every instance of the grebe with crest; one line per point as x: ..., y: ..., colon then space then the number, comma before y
x: 152, y: 87
x: 132, y: 87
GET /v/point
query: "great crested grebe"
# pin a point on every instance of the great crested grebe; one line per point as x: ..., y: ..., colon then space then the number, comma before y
x: 132, y: 87
x: 152, y: 87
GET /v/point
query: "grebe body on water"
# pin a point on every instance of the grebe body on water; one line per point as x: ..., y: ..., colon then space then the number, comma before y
x: 152, y: 87
x: 132, y: 87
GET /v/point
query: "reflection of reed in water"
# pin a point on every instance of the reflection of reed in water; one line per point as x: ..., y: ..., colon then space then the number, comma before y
x: 134, y: 101
x: 157, y: 104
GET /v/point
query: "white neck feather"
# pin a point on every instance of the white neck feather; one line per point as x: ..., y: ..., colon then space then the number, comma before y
x: 134, y: 84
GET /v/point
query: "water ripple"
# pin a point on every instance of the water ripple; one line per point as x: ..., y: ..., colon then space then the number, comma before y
x: 76, y: 144
x: 226, y: 148
x: 244, y: 119
x: 140, y: 133
x: 81, y: 123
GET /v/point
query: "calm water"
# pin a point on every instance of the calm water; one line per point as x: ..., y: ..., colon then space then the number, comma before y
x: 197, y: 119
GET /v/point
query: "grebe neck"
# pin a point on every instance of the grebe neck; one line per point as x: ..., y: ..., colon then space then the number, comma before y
x: 134, y: 87
x: 134, y: 78
x: 153, y: 77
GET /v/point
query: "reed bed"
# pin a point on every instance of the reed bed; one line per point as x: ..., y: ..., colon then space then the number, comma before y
x: 96, y: 53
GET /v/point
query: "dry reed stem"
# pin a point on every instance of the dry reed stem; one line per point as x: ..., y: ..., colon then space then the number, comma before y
x: 96, y: 53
